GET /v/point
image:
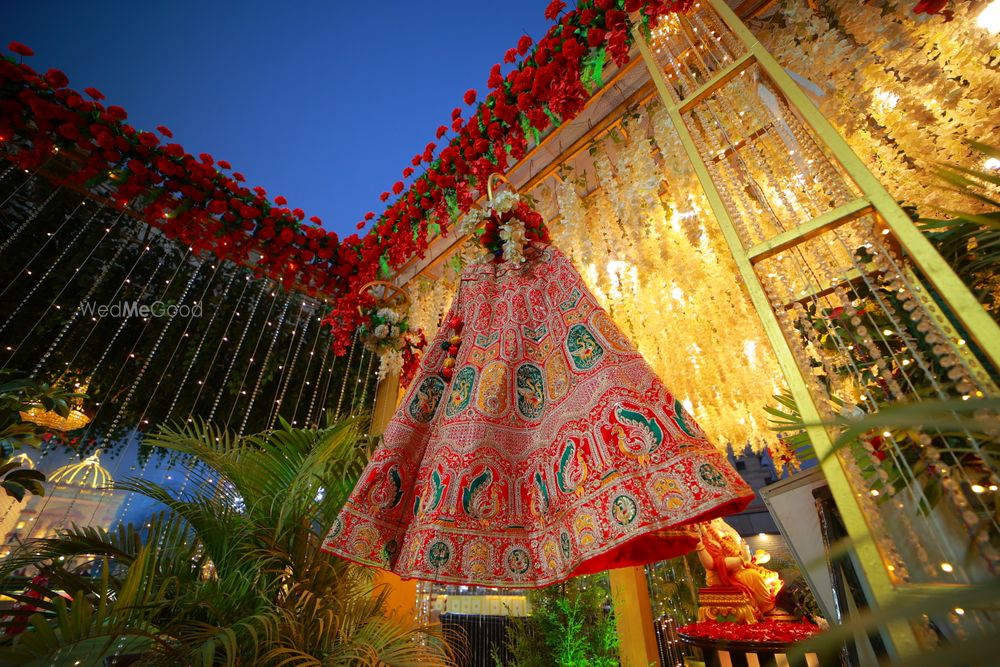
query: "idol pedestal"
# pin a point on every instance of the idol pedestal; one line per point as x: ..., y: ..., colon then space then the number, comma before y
x: 728, y: 653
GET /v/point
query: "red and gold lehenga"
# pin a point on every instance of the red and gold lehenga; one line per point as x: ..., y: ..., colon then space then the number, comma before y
x: 546, y: 448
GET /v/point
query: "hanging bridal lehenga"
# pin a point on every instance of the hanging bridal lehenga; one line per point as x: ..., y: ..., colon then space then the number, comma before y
x: 534, y: 443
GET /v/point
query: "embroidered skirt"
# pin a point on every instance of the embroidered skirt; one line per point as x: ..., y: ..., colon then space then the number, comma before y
x: 552, y: 451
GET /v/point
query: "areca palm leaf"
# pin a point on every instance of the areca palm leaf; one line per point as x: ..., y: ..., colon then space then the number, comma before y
x: 87, y: 630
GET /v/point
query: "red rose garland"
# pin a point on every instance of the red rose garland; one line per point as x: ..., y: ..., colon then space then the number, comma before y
x: 195, y: 201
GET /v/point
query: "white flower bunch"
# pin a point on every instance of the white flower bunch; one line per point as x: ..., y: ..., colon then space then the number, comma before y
x: 512, y: 233
x: 501, y: 203
x: 390, y: 362
x: 388, y: 314
x: 468, y: 223
x: 381, y: 331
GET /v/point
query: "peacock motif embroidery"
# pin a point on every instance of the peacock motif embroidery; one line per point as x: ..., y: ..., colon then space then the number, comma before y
x: 583, y: 348
x: 426, y: 398
x: 572, y: 471
x: 481, y: 497
x: 461, y: 391
x: 634, y: 431
x: 530, y: 391
x: 433, y: 492
x: 386, y: 492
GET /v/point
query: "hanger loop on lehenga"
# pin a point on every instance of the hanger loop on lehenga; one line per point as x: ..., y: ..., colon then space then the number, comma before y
x: 386, y: 294
x: 499, y: 177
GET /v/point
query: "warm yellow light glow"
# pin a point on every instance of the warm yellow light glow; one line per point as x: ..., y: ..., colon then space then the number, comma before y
x: 874, y: 492
x: 947, y: 567
x: 989, y: 18
x: 885, y: 99
x: 959, y: 611
x: 978, y: 488
x: 74, y: 420
x: 991, y: 164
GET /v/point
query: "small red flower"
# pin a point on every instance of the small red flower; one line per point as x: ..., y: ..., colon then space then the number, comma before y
x: 416, y: 159
x: 165, y: 131
x: 384, y: 196
x: 299, y: 213
x: 316, y: 219
x: 369, y: 215
x: 524, y: 43
x: 552, y: 11
x: 510, y: 55
x: 280, y: 200
x: 470, y: 96
x: 207, y: 159
x: 56, y: 78
x: 20, y: 49
x: 117, y: 113
x: 360, y: 225
x: 397, y: 187
x: 442, y: 130
x: 407, y: 173
x: 97, y: 95
x: 224, y: 164
x: 237, y: 176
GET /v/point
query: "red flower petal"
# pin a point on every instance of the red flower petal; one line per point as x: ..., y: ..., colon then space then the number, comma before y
x: 20, y: 49
x: 470, y: 96
x: 165, y: 131
x: 96, y: 94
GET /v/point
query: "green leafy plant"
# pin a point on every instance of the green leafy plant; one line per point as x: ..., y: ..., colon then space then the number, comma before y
x: 231, y: 573
x: 19, y: 394
x: 571, y: 625
x: 970, y: 241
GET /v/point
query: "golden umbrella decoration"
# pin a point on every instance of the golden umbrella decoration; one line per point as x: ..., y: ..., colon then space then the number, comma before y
x: 53, y: 421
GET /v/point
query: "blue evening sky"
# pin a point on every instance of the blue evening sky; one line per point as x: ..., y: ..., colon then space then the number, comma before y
x: 322, y: 102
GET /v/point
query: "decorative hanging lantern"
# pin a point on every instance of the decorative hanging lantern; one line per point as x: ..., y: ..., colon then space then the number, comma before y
x: 53, y: 421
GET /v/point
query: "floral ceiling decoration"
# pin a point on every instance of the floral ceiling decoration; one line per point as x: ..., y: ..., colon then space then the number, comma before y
x: 200, y: 201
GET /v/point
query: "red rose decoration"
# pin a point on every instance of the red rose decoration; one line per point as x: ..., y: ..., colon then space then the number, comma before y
x: 56, y: 78
x: 384, y: 196
x: 280, y: 201
x: 524, y: 43
x: 510, y: 56
x: 117, y: 113
x: 470, y: 96
x: 224, y: 164
x: 397, y: 187
x: 369, y: 215
x: 165, y: 131
x: 237, y: 176
x: 552, y: 11
x: 207, y: 159
x: 20, y: 49
x: 442, y: 130
x: 360, y: 225
x: 407, y: 173
x: 97, y: 95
